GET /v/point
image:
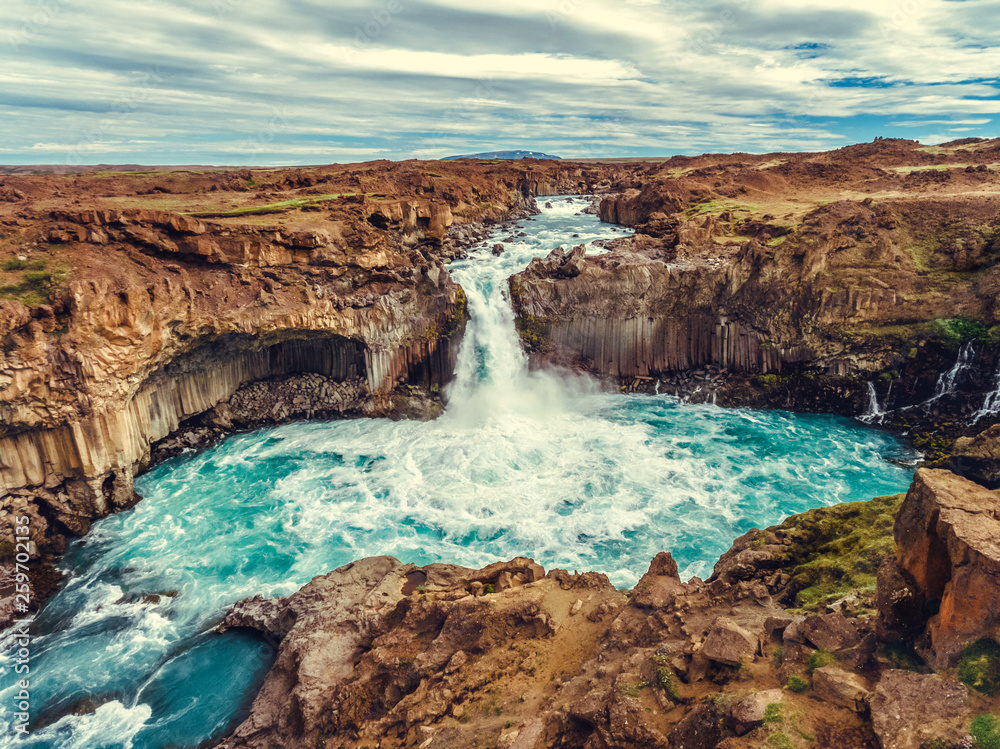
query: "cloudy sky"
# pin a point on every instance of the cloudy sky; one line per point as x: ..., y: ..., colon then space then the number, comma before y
x: 314, y: 81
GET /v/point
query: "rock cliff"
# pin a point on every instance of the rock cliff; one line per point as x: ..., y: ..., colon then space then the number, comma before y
x: 785, y: 272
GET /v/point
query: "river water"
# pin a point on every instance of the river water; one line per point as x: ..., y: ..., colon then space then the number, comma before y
x: 538, y: 464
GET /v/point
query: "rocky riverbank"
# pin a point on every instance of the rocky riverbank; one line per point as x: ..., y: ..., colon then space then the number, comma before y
x: 804, y: 635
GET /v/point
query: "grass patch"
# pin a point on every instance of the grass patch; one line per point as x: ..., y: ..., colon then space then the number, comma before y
x: 926, y: 168
x: 959, y: 330
x: 979, y: 667
x: 985, y: 729
x: 279, y: 207
x: 780, y: 741
x: 819, y: 659
x: 633, y: 689
x: 774, y: 713
x: 797, y: 685
x: 33, y: 285
x: 714, y: 207
x: 840, y: 549
x: 665, y: 678
x: 16, y: 264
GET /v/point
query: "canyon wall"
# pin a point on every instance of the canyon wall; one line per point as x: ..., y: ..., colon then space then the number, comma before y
x: 146, y: 301
x: 751, y: 270
x: 173, y: 316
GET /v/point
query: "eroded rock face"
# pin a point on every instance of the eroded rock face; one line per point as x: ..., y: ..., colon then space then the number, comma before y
x: 382, y: 650
x: 442, y: 657
x: 162, y: 302
x: 947, y: 534
x: 721, y: 281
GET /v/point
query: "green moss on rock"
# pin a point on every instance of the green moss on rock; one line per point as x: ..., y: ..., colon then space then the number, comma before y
x: 838, y: 550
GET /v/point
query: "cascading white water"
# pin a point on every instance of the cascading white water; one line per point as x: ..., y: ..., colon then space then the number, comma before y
x: 947, y: 383
x: 523, y: 463
x: 873, y: 414
x: 991, y: 405
x: 492, y: 380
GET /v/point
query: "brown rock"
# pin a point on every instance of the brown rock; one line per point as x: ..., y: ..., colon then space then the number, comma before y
x: 775, y: 626
x: 978, y: 458
x: 701, y: 728
x: 832, y: 632
x: 900, y: 602
x: 660, y: 583
x: 946, y: 534
x: 840, y: 688
x: 749, y: 712
x: 729, y: 644
x: 911, y: 710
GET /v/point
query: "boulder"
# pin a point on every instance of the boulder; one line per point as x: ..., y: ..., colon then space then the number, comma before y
x: 748, y: 713
x: 851, y: 640
x: 946, y: 533
x: 775, y: 626
x: 911, y: 710
x: 729, y: 644
x: 832, y: 632
x: 978, y: 457
x: 660, y: 583
x: 701, y: 728
x: 840, y: 688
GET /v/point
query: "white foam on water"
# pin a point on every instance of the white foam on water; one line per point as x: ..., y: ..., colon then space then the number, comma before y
x: 111, y: 726
x: 523, y: 463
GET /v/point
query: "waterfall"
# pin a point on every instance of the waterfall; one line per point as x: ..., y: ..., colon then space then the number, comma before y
x: 522, y: 463
x: 874, y: 414
x: 991, y: 406
x: 948, y: 381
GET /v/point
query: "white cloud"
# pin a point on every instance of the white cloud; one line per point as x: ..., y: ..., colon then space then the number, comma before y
x: 184, y: 77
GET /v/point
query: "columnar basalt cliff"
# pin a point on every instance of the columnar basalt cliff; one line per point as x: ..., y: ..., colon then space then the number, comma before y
x: 133, y: 304
x: 134, y: 307
x: 871, y: 262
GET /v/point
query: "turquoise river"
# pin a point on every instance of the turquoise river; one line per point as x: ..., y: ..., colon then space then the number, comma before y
x: 522, y: 463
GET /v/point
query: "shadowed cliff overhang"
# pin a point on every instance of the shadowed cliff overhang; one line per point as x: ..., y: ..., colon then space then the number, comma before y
x: 198, y: 381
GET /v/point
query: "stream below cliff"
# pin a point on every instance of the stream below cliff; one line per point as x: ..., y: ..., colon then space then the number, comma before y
x: 532, y: 463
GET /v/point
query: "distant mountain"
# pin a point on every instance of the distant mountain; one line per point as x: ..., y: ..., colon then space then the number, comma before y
x: 504, y: 155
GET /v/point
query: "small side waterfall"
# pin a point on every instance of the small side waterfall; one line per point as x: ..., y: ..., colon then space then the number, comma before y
x: 873, y: 414
x: 991, y: 406
x: 947, y: 383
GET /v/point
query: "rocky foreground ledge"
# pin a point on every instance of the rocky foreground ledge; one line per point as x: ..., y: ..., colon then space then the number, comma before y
x: 806, y: 634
